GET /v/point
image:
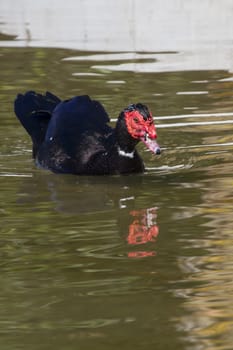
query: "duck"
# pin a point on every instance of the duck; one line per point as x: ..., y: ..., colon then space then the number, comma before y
x: 73, y: 136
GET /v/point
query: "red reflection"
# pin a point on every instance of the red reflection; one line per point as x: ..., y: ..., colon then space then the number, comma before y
x: 140, y: 254
x: 142, y: 230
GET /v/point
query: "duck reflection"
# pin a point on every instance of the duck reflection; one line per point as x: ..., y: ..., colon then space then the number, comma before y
x: 143, y: 229
x: 116, y: 201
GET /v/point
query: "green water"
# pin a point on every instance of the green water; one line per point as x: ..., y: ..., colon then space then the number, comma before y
x: 136, y: 262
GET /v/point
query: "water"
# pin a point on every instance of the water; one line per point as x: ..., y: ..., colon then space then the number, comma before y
x: 139, y: 261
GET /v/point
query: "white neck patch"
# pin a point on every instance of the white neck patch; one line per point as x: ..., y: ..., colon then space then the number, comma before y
x: 125, y: 154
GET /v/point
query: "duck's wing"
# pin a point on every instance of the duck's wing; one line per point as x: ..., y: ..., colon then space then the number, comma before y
x: 73, y: 117
x: 34, y: 112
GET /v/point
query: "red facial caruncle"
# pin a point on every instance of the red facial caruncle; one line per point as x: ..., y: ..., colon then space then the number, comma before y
x: 142, y: 128
x: 137, y: 126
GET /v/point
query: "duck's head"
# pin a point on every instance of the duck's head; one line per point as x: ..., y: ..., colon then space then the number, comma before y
x: 140, y: 126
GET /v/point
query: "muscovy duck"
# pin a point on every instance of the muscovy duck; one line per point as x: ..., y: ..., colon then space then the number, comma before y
x: 74, y: 137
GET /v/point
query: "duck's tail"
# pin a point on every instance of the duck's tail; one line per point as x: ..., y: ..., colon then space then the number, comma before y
x: 34, y: 112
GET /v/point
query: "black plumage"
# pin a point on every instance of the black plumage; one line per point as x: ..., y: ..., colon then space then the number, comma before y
x: 73, y: 136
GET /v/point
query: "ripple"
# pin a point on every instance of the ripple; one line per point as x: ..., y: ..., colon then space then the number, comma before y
x: 116, y: 82
x: 196, y: 115
x: 167, y: 168
x: 88, y: 74
x: 192, y: 93
x: 188, y: 116
x: 110, y: 57
x: 200, y: 123
x: 15, y: 175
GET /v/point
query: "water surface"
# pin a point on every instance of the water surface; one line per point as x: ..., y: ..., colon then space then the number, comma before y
x: 139, y: 261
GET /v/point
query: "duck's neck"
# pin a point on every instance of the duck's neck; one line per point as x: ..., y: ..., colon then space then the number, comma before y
x: 125, y: 142
x: 125, y: 154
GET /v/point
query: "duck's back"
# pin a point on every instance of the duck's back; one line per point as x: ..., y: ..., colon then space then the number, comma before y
x: 75, y: 117
x: 76, y: 133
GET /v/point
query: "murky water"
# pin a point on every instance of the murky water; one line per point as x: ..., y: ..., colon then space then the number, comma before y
x: 139, y: 261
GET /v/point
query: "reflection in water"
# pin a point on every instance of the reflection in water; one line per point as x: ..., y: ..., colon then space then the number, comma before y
x: 84, y: 196
x: 142, y: 230
x: 207, y: 287
x: 182, y: 28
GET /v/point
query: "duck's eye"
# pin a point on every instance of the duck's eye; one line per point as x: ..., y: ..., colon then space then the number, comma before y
x: 150, y: 121
x: 136, y: 120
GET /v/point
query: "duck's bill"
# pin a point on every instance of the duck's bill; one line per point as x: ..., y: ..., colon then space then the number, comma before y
x: 152, y: 145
